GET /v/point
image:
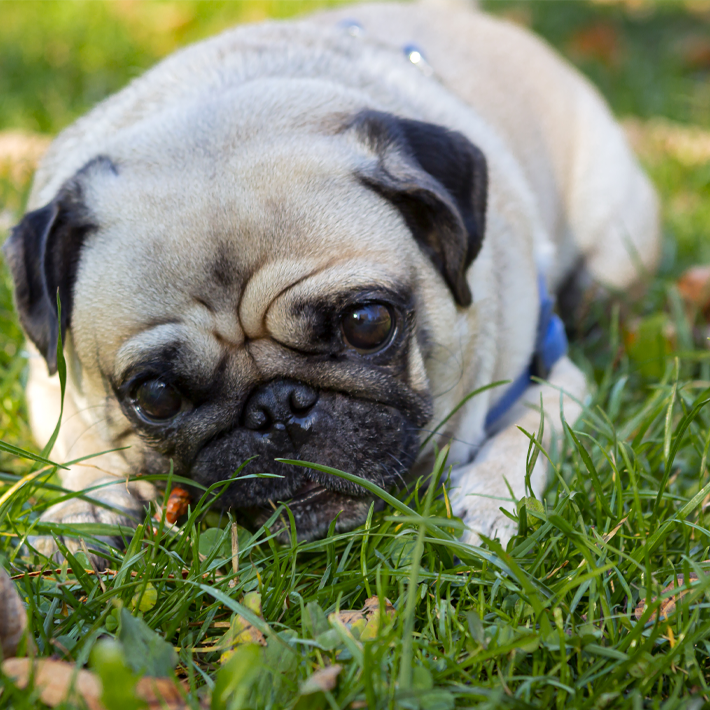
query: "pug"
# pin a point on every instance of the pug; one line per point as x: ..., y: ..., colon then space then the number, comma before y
x: 313, y: 240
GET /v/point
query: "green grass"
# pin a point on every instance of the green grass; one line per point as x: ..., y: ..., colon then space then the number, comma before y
x: 547, y: 623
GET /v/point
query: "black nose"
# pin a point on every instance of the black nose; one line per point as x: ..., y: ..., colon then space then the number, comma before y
x: 282, y: 405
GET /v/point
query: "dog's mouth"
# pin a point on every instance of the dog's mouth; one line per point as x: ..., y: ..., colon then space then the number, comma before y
x: 313, y: 506
x: 310, y: 492
x: 314, y: 496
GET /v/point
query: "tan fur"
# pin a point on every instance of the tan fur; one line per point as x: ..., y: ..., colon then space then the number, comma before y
x: 563, y: 187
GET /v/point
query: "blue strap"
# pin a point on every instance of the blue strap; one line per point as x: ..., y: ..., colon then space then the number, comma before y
x: 550, y: 346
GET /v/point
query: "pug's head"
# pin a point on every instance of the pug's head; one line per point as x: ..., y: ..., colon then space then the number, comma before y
x: 233, y: 292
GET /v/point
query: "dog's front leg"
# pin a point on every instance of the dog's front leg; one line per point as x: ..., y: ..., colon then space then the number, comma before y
x: 101, y: 479
x: 481, y: 488
x: 106, y: 501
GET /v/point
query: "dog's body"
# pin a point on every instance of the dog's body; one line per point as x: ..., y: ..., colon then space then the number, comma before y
x: 222, y: 217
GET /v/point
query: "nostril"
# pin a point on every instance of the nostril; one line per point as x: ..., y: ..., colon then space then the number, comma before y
x: 302, y: 398
x: 257, y: 419
x: 273, y: 406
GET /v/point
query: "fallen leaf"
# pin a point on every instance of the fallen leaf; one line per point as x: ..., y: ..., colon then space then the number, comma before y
x: 373, y: 604
x: 235, y: 552
x: 694, y: 287
x: 694, y: 51
x: 13, y: 619
x: 59, y: 682
x: 241, y: 631
x: 597, y: 41
x: 145, y: 600
x: 667, y: 605
x: 323, y: 680
x: 613, y: 532
x: 371, y: 610
x: 364, y: 623
x: 349, y: 616
x: 161, y: 693
x: 535, y: 512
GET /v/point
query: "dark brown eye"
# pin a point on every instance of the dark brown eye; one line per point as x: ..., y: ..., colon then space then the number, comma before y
x: 156, y: 400
x: 368, y: 327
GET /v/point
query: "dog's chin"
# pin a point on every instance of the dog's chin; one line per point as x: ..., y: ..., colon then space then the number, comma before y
x: 313, y: 509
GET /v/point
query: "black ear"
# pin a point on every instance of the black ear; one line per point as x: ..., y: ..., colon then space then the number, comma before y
x: 43, y: 255
x: 438, y: 180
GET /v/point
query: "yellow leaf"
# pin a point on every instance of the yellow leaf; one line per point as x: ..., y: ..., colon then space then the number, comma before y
x: 252, y: 601
x: 147, y: 600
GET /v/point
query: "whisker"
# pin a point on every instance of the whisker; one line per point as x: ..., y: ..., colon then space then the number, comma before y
x: 102, y: 420
x: 448, y: 436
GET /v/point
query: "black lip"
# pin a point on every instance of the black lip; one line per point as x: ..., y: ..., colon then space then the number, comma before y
x: 307, y: 492
x: 313, y: 492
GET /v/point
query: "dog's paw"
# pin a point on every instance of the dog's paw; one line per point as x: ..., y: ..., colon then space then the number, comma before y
x: 124, y: 510
x: 488, y: 522
x: 477, y: 496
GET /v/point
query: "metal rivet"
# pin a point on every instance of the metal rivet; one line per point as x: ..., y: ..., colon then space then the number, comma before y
x: 352, y: 27
x: 416, y: 57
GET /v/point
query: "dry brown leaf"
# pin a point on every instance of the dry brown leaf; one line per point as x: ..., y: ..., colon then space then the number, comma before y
x: 59, y: 681
x: 323, y: 680
x: 694, y: 286
x: 235, y: 552
x: 667, y: 605
x: 161, y: 693
x: 694, y: 50
x: 597, y: 41
x: 350, y: 616
x: 248, y: 634
x: 240, y: 630
x: 365, y: 623
x: 613, y: 532
x: 13, y: 619
x: 373, y: 604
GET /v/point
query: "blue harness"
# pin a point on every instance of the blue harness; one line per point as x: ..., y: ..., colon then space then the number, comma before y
x: 550, y: 346
x: 551, y: 339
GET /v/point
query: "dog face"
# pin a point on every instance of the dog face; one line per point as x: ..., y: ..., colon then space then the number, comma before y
x: 231, y: 291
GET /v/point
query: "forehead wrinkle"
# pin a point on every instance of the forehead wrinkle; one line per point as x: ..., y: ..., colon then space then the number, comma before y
x: 284, y: 319
x: 266, y: 285
x: 153, y: 339
x: 220, y: 322
x: 343, y: 276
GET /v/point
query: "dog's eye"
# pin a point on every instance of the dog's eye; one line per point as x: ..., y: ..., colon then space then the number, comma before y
x: 368, y: 327
x: 156, y: 400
